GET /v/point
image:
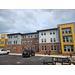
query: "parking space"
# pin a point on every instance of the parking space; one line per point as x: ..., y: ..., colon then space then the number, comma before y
x: 19, y: 60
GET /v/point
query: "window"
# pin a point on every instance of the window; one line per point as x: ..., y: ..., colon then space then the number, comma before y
x: 14, y: 42
x: 66, y: 31
x: 62, y: 31
x: 9, y: 42
x: 23, y: 42
x: 69, y: 30
x: 72, y: 48
x: 45, y: 48
x: 35, y: 41
x: 44, y: 33
x: 31, y: 41
x: 42, y: 40
x: 2, y: 42
x: 65, y: 48
x: 10, y: 37
x: 14, y: 48
x: 35, y: 35
x: 28, y: 42
x: 53, y: 31
x: 55, y: 48
x: 28, y: 47
x: 41, y: 33
x: 28, y: 36
x: 63, y: 39
x: 35, y: 47
x: 51, y: 39
x: 67, y: 39
x: 70, y: 38
x: 2, y: 37
x: 24, y: 36
x: 51, y: 47
x: 69, y: 48
x: 31, y: 48
x: 15, y: 36
x: 42, y: 48
x: 31, y: 35
x: 50, y: 32
x: 24, y: 48
x: 54, y: 40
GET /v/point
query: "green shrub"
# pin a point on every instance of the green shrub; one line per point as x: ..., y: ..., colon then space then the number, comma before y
x: 50, y: 51
x: 46, y: 52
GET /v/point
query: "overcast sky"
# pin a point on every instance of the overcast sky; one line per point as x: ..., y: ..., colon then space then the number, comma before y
x: 30, y: 20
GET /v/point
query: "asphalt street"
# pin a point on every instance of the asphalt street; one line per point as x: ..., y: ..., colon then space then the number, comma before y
x: 19, y: 60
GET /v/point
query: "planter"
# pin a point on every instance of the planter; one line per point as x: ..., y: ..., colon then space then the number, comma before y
x: 45, y: 53
x: 49, y: 54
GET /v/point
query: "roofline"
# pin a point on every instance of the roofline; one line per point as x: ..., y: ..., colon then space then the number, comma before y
x: 47, y: 29
x: 65, y: 23
x: 14, y: 34
x: 29, y: 33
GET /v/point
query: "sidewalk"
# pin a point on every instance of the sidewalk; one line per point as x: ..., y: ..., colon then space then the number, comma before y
x: 61, y: 56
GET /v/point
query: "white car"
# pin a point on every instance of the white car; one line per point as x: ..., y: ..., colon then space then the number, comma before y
x: 3, y: 51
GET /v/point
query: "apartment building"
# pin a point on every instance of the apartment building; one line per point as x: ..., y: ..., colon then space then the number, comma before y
x: 18, y: 42
x: 30, y: 41
x: 3, y: 40
x: 14, y: 42
x: 67, y: 37
x: 60, y: 39
x: 48, y: 40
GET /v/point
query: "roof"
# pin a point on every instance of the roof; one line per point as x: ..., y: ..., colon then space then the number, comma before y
x: 29, y: 33
x: 65, y: 23
x: 14, y: 34
x: 47, y: 29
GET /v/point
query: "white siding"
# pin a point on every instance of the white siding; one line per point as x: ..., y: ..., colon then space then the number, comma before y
x: 48, y: 36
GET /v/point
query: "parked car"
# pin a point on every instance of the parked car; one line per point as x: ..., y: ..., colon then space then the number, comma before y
x: 28, y: 53
x: 3, y: 51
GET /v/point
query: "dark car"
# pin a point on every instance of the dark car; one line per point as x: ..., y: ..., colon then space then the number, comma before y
x: 28, y: 53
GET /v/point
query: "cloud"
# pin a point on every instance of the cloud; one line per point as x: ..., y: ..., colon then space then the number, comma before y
x: 30, y: 20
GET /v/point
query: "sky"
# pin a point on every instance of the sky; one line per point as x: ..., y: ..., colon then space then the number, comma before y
x: 31, y: 20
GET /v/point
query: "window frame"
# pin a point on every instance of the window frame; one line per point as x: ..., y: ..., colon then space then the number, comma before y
x: 2, y: 42
x: 54, y: 48
x: 51, y: 48
x: 42, y: 48
x: 42, y: 40
x: 50, y: 32
x: 45, y: 48
x: 44, y: 32
x: 53, y: 31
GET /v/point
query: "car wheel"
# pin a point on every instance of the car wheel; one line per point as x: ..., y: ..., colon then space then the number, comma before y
x: 7, y: 53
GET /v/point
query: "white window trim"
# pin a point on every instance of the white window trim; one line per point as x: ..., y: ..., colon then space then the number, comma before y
x: 56, y: 49
x: 52, y: 50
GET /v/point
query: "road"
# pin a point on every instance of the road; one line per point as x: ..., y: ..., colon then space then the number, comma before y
x: 19, y: 60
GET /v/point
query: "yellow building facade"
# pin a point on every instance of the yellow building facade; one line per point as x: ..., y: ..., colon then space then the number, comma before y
x: 2, y: 40
x: 67, y: 38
